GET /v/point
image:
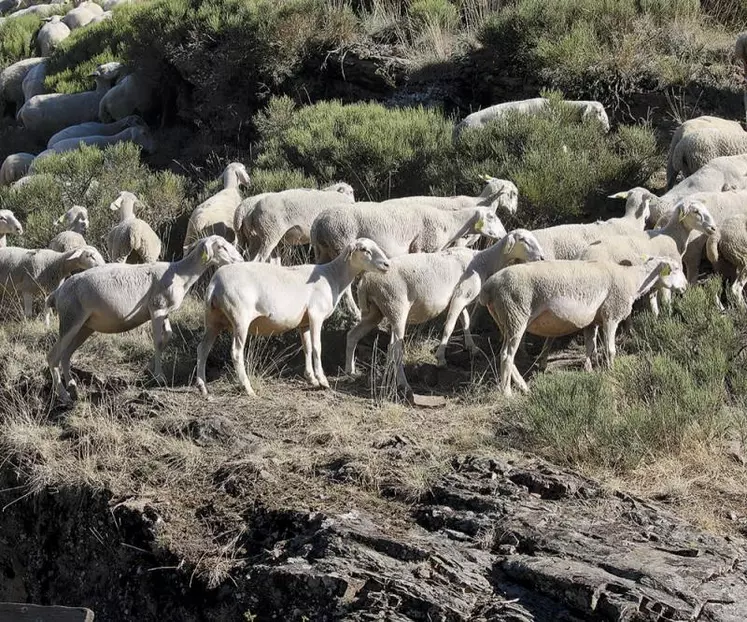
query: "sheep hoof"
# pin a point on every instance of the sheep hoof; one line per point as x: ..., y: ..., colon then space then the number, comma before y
x: 587, y: 365
x: 202, y: 388
x: 311, y: 380
x: 323, y: 383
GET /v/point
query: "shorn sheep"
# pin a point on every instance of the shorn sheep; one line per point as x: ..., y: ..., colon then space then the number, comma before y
x: 11, y: 82
x: 94, y: 128
x: 33, y: 83
x: 698, y: 148
x: 131, y: 95
x: 215, y: 215
x: 118, y: 297
x: 729, y: 247
x: 75, y: 220
x: 54, y: 32
x: 688, y: 127
x: 557, y: 298
x: 415, y: 289
x: 287, y: 217
x: 8, y: 224
x: 266, y: 299
x: 585, y: 110
x: 15, y: 166
x: 518, y: 246
x: 36, y: 272
x: 45, y: 115
x: 131, y: 238
x: 139, y: 135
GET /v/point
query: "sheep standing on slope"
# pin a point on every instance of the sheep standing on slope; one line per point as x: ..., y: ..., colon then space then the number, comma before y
x: 584, y: 110
x: 82, y: 15
x: 287, y: 217
x: 8, y: 224
x: 119, y: 297
x: 688, y: 127
x: 45, y: 115
x: 698, y: 148
x: 54, y: 32
x: 131, y: 95
x: 268, y: 300
x: 132, y: 238
x: 215, y: 215
x: 36, y: 272
x: 557, y: 298
x: 11, y: 82
x: 15, y: 166
x: 76, y: 224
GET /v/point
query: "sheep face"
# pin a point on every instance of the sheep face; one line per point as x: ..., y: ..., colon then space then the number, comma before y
x: 672, y: 277
x: 696, y: 217
x: 366, y: 256
x: 501, y: 193
x: 75, y: 219
x: 595, y: 110
x: 489, y: 225
x: 342, y: 188
x: 9, y: 223
x: 237, y: 170
x: 85, y: 258
x: 523, y: 247
x: 217, y: 251
x: 124, y: 199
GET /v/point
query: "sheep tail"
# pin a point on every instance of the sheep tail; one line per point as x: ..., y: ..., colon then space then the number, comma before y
x: 712, y: 248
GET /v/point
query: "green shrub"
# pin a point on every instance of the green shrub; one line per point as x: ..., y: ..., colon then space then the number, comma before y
x: 93, y: 178
x: 440, y: 13
x: 381, y: 152
x: 17, y: 39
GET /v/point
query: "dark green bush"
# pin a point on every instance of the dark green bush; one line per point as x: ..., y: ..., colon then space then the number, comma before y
x: 17, y: 39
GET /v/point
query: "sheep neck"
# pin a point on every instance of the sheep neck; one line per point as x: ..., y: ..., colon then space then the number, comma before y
x: 675, y: 230
x: 188, y: 270
x: 102, y: 85
x: 645, y: 279
x: 3, y: 240
x: 230, y: 180
x: 340, y: 273
x: 463, y: 226
x: 126, y: 211
x: 492, y: 259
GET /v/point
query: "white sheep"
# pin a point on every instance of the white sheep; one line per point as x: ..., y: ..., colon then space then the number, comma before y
x: 557, y: 298
x: 287, y: 217
x: 54, y: 32
x: 42, y: 10
x: 415, y: 289
x: 105, y: 16
x: 82, y: 15
x: 585, y: 110
x: 75, y: 220
x: 119, y: 297
x: 729, y: 247
x: 669, y: 241
x: 131, y: 238
x: 8, y: 224
x: 110, y: 4
x: 11, y: 81
x: 131, y: 95
x: 518, y: 246
x: 698, y: 148
x: 215, y: 215
x: 15, y: 166
x: 33, y: 83
x: 688, y: 127
x: 36, y: 272
x: 94, y: 128
x: 47, y: 114
x: 139, y: 135
x: 268, y: 300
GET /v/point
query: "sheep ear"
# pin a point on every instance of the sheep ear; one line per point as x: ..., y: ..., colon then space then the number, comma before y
x: 60, y: 220
x: 666, y: 270
x: 510, y: 243
x: 349, y: 249
x: 207, y: 252
x: 620, y: 195
x: 78, y: 252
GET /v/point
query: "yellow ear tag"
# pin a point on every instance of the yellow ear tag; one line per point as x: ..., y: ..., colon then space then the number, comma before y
x: 204, y: 257
x: 666, y: 271
x: 479, y: 225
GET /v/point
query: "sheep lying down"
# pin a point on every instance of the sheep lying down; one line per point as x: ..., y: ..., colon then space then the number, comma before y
x: 558, y: 298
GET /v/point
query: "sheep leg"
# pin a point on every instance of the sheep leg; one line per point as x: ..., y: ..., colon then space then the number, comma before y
x: 508, y: 352
x: 56, y: 353
x: 208, y: 340
x: 397, y: 352
x: 77, y: 341
x: 308, y: 361
x: 364, y: 326
x: 653, y: 302
x: 665, y: 297
x: 161, y: 336
x: 469, y: 342
x: 544, y: 353
x: 610, y: 330
x: 590, y: 341
x: 237, y: 354
x: 457, y: 305
x: 738, y: 285
x: 315, y: 324
x: 518, y: 379
x: 350, y: 302
x: 28, y: 305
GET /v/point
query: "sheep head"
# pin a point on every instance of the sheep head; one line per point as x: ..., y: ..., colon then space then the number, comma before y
x: 84, y: 258
x: 9, y: 223
x: 366, y: 256
x: 342, y: 188
x: 695, y: 216
x: 500, y: 193
x: 521, y: 246
x: 216, y: 251
x: 488, y: 224
x: 75, y: 219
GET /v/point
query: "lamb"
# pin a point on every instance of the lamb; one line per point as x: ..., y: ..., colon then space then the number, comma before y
x: 47, y: 114
x: 138, y: 135
x: 670, y: 241
x: 131, y: 95
x: 556, y: 298
x: 583, y: 109
x: 76, y: 222
x: 267, y: 300
x: 15, y: 166
x: 33, y: 83
x: 8, y: 224
x: 287, y: 216
x: 54, y: 32
x: 415, y: 289
x: 33, y: 272
x: 119, y: 297
x: 94, y: 128
x: 82, y: 15
x: 11, y: 81
x: 215, y: 215
x: 518, y: 246
x: 698, y: 148
x: 688, y: 127
x: 131, y: 238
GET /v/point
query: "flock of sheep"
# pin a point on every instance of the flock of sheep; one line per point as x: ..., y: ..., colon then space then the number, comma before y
x: 409, y: 260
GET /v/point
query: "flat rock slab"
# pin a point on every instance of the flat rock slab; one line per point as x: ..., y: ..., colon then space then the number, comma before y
x: 23, y: 612
x: 429, y: 401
